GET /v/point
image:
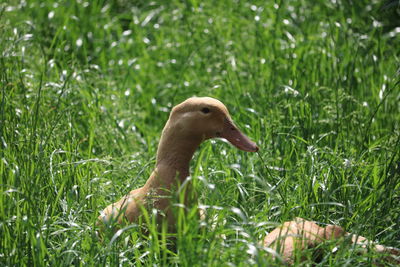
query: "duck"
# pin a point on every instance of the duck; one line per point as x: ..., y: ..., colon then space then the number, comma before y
x: 301, y: 234
x: 190, y: 123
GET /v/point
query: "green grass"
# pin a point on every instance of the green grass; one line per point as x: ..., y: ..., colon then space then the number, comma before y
x: 86, y: 88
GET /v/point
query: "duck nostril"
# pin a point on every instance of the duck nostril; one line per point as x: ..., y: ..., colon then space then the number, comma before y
x: 233, y: 129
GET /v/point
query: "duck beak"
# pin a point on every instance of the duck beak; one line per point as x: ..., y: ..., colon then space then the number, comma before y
x: 231, y: 133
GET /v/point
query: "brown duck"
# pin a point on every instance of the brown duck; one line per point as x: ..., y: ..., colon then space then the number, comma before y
x: 190, y: 123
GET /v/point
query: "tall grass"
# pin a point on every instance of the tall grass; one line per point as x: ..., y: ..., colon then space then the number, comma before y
x: 86, y: 88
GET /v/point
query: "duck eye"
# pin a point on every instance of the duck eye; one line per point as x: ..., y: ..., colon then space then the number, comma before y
x: 205, y: 110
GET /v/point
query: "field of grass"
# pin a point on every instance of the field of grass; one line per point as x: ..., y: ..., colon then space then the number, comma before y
x: 87, y: 86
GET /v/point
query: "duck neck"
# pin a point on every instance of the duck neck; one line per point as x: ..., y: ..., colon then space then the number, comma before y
x: 174, y: 154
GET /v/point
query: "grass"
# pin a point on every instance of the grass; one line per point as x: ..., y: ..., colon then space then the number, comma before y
x: 86, y: 88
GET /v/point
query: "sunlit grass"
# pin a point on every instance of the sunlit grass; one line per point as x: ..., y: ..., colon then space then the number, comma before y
x: 86, y: 88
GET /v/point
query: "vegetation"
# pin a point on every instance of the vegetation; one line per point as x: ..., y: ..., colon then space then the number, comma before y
x: 86, y: 87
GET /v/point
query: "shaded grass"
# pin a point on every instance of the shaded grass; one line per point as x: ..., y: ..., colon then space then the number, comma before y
x: 87, y: 87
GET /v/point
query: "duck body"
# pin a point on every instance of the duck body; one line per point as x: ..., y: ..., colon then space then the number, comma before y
x: 190, y: 123
x: 300, y: 234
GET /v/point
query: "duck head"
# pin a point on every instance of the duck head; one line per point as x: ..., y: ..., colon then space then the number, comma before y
x: 202, y: 118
